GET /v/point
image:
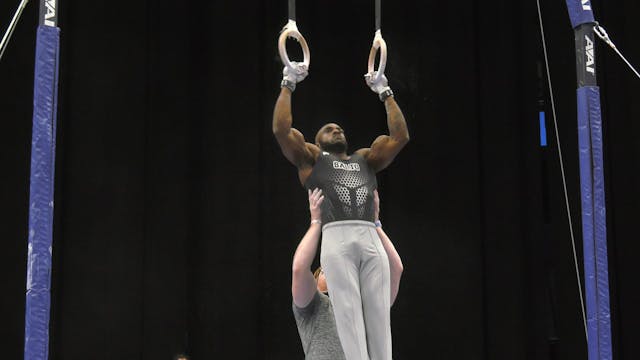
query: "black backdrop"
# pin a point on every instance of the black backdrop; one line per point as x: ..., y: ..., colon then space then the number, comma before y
x: 177, y: 216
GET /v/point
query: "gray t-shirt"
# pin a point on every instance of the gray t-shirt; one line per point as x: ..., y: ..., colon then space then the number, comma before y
x: 317, y: 329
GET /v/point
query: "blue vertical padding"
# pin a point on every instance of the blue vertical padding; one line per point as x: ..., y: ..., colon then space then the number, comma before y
x: 580, y: 12
x: 588, y: 248
x: 43, y: 145
x: 600, y: 224
x: 594, y: 224
x: 543, y: 129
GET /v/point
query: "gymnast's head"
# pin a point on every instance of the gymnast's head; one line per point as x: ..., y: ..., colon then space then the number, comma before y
x: 321, y: 280
x: 330, y: 138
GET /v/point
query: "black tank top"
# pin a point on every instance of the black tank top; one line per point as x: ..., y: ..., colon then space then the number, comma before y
x: 347, y: 186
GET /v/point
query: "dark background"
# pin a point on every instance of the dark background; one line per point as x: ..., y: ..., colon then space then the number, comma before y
x: 177, y: 216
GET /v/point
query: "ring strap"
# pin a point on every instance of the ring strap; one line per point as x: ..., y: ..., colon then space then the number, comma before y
x: 292, y: 10
x: 378, y: 14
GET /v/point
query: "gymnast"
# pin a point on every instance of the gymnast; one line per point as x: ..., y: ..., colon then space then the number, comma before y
x: 353, y: 259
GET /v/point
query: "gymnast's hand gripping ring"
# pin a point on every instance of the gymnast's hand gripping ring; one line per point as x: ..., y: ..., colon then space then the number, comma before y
x: 291, y: 31
x: 378, y: 44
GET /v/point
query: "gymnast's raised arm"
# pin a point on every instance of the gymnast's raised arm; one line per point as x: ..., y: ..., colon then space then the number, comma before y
x: 291, y: 141
x: 385, y: 148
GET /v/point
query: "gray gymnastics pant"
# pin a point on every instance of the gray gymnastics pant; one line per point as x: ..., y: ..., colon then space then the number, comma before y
x: 356, y: 267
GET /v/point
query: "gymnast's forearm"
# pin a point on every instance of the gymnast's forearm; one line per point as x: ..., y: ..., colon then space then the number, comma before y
x: 396, y: 122
x: 282, y: 117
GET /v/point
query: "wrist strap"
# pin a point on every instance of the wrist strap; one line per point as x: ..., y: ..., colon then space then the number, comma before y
x: 288, y: 84
x: 316, y: 221
x: 385, y: 94
x: 378, y: 223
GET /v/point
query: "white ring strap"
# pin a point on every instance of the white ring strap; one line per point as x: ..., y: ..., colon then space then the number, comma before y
x: 291, y: 31
x: 378, y: 44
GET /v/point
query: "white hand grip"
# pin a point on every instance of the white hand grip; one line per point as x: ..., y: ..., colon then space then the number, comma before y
x: 291, y: 31
x: 378, y: 44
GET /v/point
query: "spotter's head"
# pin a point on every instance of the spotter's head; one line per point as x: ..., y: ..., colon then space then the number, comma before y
x: 321, y: 280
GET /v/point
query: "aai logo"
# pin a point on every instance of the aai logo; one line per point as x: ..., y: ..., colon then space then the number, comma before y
x: 586, y: 5
x: 50, y: 12
x: 590, y: 63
